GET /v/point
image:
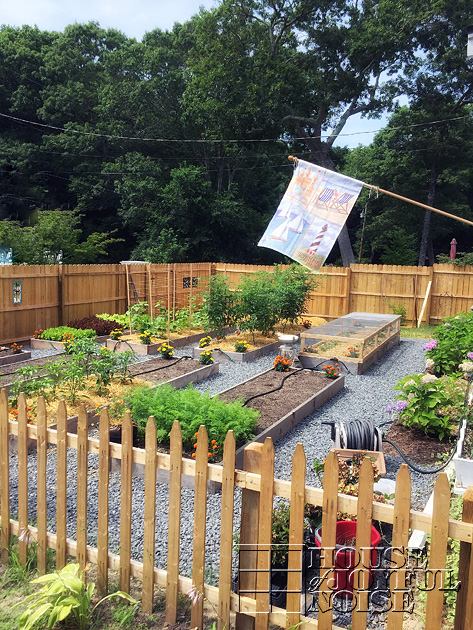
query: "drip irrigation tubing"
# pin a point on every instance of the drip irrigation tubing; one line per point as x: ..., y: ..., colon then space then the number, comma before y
x: 162, y: 367
x: 270, y: 391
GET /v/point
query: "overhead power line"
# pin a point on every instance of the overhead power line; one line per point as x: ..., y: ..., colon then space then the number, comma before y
x: 217, y: 141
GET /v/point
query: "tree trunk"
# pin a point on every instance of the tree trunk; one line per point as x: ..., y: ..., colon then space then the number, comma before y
x: 428, y: 213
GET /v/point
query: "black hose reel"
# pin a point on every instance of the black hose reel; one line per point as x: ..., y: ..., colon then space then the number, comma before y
x: 359, y: 435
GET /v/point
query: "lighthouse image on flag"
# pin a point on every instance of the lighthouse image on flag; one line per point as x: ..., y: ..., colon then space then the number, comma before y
x: 311, y: 214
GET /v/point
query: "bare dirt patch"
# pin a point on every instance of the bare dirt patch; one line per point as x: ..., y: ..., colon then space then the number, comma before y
x: 421, y: 448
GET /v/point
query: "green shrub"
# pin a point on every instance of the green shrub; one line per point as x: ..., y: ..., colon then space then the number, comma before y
x: 257, y: 303
x: 191, y: 409
x: 56, y: 334
x: 292, y: 287
x: 219, y: 304
x: 433, y: 406
x: 454, y: 340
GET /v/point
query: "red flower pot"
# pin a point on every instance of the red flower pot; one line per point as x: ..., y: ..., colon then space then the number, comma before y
x: 347, y: 559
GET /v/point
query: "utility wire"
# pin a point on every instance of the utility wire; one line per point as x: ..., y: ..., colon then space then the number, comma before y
x: 219, y: 141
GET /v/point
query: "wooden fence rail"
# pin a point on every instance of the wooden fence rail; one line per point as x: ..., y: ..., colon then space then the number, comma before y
x: 256, y: 518
x: 52, y: 295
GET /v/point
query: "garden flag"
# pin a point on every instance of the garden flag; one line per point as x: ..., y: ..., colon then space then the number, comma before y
x: 311, y: 214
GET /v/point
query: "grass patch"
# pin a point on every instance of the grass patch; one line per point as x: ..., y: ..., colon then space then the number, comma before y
x: 423, y: 332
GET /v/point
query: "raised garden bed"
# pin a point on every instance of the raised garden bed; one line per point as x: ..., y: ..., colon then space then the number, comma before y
x: 7, y: 372
x: 47, y: 344
x: 279, y: 411
x: 132, y: 342
x: 7, y: 356
x: 282, y: 410
x: 357, y: 339
x: 249, y: 355
x: 178, y: 374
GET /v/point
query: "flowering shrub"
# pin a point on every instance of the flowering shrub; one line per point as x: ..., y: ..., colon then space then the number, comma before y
x: 241, y: 345
x: 205, y: 341
x: 282, y: 364
x: 16, y: 348
x: 331, y: 371
x: 145, y: 337
x: 38, y: 333
x: 116, y: 334
x: 166, y: 351
x: 430, y: 404
x: 307, y: 323
x: 453, y: 343
x: 206, y: 357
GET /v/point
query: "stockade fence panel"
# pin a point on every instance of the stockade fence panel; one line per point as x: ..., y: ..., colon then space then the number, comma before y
x: 259, y: 487
x: 51, y: 295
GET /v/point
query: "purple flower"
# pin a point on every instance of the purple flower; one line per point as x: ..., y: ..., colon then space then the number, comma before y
x: 390, y: 408
x: 447, y: 325
x: 431, y: 345
x: 401, y: 405
x: 470, y: 355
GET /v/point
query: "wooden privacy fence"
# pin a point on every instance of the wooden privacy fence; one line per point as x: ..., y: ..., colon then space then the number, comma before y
x: 52, y: 295
x: 259, y: 488
x: 371, y: 288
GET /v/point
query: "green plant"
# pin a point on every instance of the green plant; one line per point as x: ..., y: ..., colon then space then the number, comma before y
x: 453, y: 341
x: 145, y: 337
x: 398, y: 309
x: 56, y: 334
x: 68, y: 341
x: 205, y: 341
x: 118, y: 319
x: 258, y: 308
x: 429, y: 404
x: 166, y: 351
x: 219, y: 304
x: 206, y: 357
x: 281, y: 364
x: 331, y: 371
x: 73, y: 379
x: 138, y: 315
x: 292, y: 287
x: 353, y: 351
x: 241, y: 345
x: 104, y: 368
x: 63, y: 596
x: 116, y: 334
x: 27, y: 381
x: 191, y: 409
x: 17, y: 349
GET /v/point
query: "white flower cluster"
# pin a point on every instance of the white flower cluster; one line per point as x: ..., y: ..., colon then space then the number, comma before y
x: 467, y: 366
x: 428, y: 378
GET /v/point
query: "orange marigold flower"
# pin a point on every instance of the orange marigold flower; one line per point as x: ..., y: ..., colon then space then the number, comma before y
x: 195, y: 445
x: 215, y: 446
x: 193, y: 454
x: 209, y: 454
x: 213, y: 441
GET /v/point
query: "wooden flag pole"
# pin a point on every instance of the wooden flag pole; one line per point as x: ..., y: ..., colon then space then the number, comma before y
x: 415, y: 203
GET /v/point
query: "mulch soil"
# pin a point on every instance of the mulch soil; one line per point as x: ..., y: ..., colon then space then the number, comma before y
x: 273, y: 406
x: 421, y: 448
x: 7, y: 372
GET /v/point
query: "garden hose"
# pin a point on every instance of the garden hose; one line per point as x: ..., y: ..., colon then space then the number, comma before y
x: 227, y: 355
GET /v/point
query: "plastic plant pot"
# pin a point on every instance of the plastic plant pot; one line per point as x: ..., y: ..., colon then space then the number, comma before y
x: 346, y: 556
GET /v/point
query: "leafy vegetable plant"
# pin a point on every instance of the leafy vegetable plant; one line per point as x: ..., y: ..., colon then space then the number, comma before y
x: 191, y: 409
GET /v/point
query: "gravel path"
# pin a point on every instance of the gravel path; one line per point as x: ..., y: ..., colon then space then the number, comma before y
x: 364, y: 397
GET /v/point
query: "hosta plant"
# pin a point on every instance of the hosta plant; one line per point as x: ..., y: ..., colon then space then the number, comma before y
x: 63, y: 596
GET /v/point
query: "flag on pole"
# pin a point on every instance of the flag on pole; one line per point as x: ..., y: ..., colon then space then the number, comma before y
x: 311, y: 214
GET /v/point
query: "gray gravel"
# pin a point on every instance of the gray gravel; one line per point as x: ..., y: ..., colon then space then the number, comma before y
x: 364, y: 397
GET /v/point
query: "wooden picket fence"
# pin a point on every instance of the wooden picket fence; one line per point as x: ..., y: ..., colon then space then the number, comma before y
x: 259, y: 488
